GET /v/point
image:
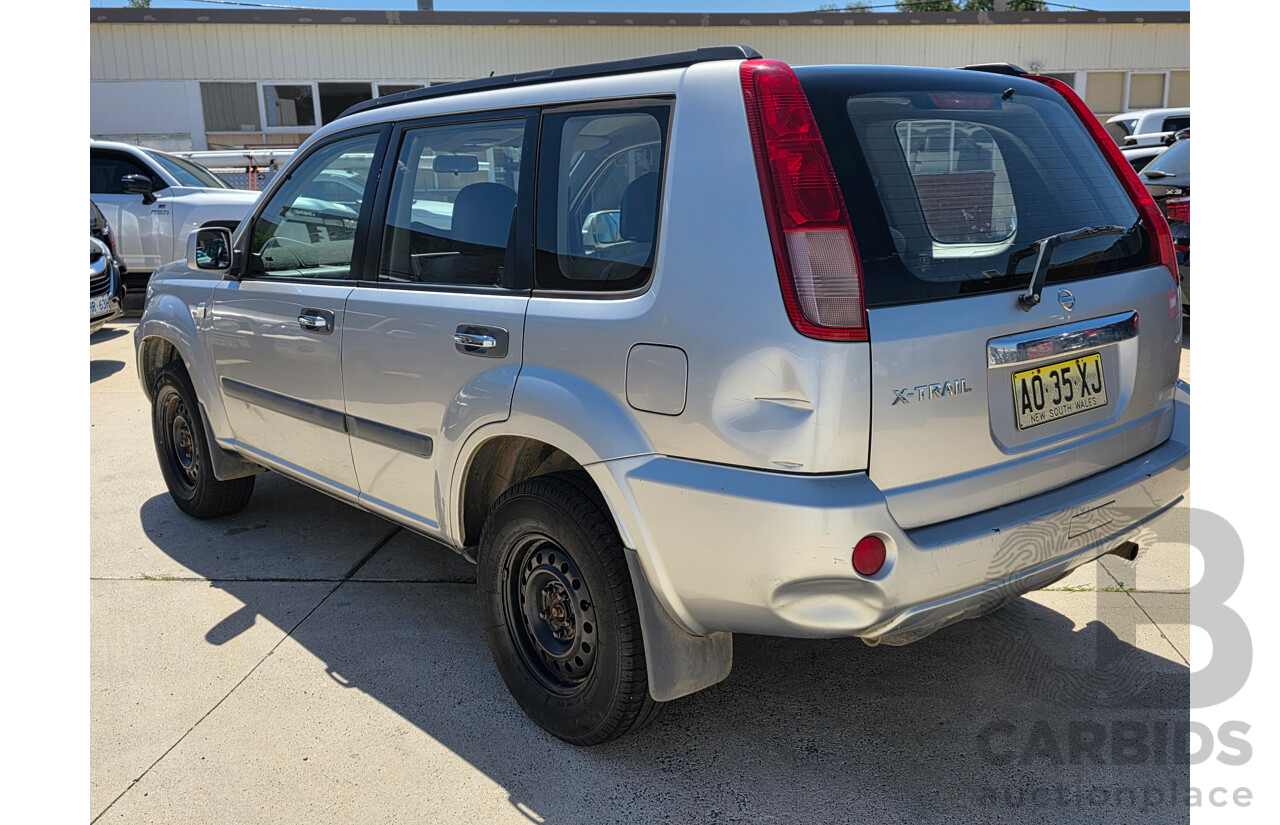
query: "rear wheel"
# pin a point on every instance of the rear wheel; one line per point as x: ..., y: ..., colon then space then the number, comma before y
x: 183, y: 451
x: 560, y: 612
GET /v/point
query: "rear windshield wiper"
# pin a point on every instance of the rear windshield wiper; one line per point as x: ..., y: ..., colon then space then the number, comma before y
x: 1158, y: 173
x: 1045, y: 247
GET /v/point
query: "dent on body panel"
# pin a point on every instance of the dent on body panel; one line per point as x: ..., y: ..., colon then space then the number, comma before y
x: 473, y: 404
x: 792, y: 410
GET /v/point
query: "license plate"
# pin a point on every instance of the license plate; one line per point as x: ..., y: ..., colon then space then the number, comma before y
x: 1056, y: 391
x: 99, y: 306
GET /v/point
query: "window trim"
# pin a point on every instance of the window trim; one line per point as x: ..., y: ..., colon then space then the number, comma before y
x: 607, y: 106
x: 518, y: 272
x: 244, y: 232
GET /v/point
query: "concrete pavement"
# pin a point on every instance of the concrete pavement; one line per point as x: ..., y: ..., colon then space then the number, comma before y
x: 305, y: 662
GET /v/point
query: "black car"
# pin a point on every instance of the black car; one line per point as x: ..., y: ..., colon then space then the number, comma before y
x: 106, y: 271
x: 1168, y: 179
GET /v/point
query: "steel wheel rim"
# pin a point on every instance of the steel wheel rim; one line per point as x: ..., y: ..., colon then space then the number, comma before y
x: 550, y: 615
x: 177, y: 432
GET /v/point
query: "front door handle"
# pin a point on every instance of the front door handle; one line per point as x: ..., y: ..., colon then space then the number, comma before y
x: 319, y: 321
x: 468, y: 339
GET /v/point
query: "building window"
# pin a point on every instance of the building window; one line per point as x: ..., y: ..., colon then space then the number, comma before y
x: 1068, y: 78
x: 1146, y: 91
x: 1179, y: 88
x: 230, y: 107
x: 336, y: 98
x: 289, y: 106
x: 1104, y: 93
x: 385, y: 89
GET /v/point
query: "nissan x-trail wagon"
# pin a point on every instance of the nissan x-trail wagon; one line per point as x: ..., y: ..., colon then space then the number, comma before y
x: 692, y: 345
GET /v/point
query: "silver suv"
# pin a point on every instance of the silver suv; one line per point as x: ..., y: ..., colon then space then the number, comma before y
x: 692, y: 345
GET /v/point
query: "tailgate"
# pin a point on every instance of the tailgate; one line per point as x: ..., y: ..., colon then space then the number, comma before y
x: 954, y: 433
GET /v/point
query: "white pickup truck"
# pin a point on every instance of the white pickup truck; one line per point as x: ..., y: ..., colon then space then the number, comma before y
x: 1148, y: 127
x: 153, y: 200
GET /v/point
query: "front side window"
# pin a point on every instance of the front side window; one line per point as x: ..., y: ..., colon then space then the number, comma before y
x: 107, y: 171
x: 600, y: 177
x: 308, y: 228
x: 452, y: 204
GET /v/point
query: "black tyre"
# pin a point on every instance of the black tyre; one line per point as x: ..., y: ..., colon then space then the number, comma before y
x: 560, y: 613
x: 184, y: 452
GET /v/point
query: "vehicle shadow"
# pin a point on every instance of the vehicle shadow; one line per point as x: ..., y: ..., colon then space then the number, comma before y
x: 107, y: 334
x: 103, y: 369
x: 1015, y: 714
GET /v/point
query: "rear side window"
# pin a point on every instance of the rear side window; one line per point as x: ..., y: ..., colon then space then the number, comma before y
x: 452, y: 207
x: 947, y: 178
x: 1176, y: 123
x: 599, y: 184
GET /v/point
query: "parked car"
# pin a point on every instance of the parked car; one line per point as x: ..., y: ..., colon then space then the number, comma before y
x: 1148, y: 127
x: 1168, y: 179
x: 153, y: 200
x: 849, y: 366
x: 106, y: 293
x: 1139, y: 156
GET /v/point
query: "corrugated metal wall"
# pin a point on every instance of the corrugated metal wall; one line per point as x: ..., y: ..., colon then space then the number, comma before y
x: 121, y: 51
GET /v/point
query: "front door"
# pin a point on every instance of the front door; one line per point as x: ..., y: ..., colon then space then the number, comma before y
x: 143, y: 230
x: 276, y: 331
x: 434, y: 331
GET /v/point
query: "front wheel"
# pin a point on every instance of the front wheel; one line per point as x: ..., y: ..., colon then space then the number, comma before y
x: 560, y: 613
x: 183, y: 451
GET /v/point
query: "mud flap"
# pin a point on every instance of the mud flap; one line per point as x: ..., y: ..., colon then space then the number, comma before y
x: 226, y: 465
x: 678, y: 663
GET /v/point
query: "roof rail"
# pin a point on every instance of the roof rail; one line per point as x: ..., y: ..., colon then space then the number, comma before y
x: 996, y: 68
x: 637, y: 64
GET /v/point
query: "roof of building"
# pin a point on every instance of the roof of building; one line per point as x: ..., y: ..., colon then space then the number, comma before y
x: 339, y: 17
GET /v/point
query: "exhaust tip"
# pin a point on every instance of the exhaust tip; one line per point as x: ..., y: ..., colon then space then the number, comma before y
x: 1127, y: 551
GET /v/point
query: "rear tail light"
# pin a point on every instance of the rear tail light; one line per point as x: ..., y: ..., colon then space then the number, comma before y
x: 1161, y: 240
x: 1179, y: 209
x: 813, y: 244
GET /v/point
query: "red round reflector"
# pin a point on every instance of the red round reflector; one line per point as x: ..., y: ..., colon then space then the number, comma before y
x: 868, y: 556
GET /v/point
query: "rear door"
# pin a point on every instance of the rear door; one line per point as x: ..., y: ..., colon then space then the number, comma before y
x: 276, y: 332
x: 434, y: 330
x: 952, y: 180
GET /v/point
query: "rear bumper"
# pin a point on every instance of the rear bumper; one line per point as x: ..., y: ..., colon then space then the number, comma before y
x: 730, y: 549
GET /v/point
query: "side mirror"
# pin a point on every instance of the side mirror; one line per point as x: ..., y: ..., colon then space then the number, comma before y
x: 139, y: 185
x: 209, y: 249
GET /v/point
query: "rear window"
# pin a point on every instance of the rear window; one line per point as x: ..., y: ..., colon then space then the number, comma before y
x: 1175, y: 161
x: 947, y: 178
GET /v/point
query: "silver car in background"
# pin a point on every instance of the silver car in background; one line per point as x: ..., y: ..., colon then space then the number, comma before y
x: 693, y: 345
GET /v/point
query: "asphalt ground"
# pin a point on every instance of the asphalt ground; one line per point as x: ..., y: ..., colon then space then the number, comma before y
x: 305, y: 662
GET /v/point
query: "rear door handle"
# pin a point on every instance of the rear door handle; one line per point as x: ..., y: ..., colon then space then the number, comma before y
x: 486, y: 342
x: 319, y: 321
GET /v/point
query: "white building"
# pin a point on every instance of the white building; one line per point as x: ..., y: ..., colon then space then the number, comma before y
x: 222, y: 79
